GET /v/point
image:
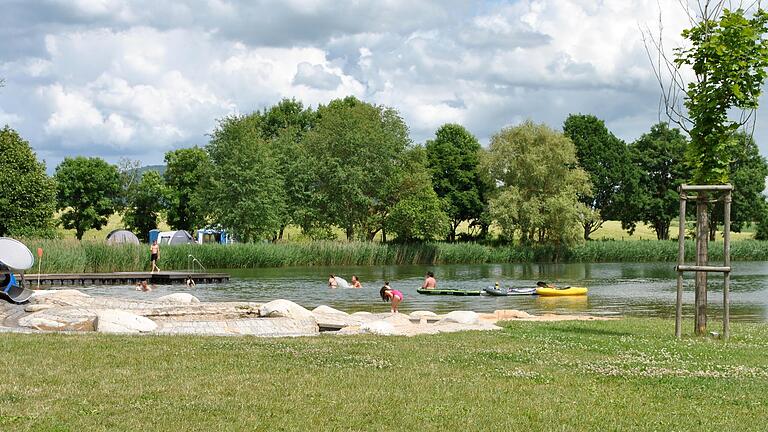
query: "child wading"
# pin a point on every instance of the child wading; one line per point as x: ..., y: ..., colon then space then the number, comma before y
x: 389, y: 294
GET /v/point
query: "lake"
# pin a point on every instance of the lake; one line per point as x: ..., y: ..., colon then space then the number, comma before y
x: 615, y: 289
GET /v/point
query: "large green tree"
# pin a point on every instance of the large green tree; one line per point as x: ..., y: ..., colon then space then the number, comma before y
x: 27, y: 194
x: 184, y: 172
x: 145, y: 200
x: 540, y: 185
x: 354, y: 154
x: 414, y: 212
x: 748, y: 170
x: 606, y: 159
x: 88, y: 192
x: 453, y: 158
x: 659, y: 155
x: 284, y: 126
x: 243, y: 189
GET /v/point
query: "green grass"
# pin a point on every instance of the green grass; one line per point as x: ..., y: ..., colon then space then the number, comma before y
x: 71, y: 256
x: 568, y: 376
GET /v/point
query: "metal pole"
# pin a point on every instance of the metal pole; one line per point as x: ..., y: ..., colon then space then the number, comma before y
x: 727, y: 263
x: 680, y: 261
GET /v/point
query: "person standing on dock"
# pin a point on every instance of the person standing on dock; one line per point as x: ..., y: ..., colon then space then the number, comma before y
x: 154, y: 254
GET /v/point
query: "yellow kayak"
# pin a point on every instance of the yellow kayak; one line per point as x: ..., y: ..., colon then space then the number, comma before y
x: 570, y: 291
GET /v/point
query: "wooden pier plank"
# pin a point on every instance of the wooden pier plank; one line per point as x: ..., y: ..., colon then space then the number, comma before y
x: 122, y: 278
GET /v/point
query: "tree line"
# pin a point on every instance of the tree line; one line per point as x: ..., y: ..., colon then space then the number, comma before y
x: 352, y: 165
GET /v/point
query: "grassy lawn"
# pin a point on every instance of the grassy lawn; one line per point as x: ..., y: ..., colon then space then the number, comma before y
x: 620, y: 375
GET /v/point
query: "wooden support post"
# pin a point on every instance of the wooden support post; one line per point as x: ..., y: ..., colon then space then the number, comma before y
x: 702, y: 246
x: 727, y: 263
x: 680, y: 261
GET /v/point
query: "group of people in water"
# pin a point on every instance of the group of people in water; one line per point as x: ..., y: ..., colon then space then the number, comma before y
x: 387, y: 293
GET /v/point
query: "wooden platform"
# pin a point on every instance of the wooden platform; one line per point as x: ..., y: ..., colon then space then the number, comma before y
x: 121, y: 278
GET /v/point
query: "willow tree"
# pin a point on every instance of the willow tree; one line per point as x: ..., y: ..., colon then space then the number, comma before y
x: 540, y: 185
x: 711, y: 88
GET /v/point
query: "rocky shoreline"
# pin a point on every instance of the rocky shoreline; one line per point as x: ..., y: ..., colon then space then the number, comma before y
x: 70, y: 310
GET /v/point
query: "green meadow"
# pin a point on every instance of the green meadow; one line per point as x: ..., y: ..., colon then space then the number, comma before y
x: 628, y: 374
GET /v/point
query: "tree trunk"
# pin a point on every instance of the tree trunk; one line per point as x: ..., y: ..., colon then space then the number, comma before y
x: 712, y: 232
x: 350, y: 233
x: 662, y: 230
x: 702, y: 246
x: 384, y: 236
x: 280, y: 233
x: 587, y: 230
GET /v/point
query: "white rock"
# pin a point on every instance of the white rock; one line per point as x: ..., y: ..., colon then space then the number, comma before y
x: 120, y: 321
x: 37, y: 307
x: 362, y: 313
x: 378, y: 327
x: 42, y: 296
x: 462, y: 317
x: 398, y: 319
x: 41, y: 323
x: 284, y: 308
x: 323, y: 309
x: 419, y: 314
x: 61, y: 319
x: 179, y: 298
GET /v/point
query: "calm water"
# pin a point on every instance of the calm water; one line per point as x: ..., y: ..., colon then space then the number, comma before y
x: 632, y: 289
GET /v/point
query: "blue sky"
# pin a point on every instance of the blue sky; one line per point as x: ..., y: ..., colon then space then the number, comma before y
x: 119, y: 78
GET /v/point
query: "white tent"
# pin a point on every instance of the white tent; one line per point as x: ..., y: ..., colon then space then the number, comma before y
x: 174, y: 238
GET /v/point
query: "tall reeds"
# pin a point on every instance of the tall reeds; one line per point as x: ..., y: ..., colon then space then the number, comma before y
x: 72, y: 256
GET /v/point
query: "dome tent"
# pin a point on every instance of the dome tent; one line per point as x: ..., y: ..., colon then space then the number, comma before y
x: 175, y: 238
x: 122, y: 236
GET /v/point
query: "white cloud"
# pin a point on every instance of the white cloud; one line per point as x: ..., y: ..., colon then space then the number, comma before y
x: 315, y: 76
x: 136, y: 78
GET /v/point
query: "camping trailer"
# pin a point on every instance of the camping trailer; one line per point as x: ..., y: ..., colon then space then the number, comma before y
x: 210, y: 235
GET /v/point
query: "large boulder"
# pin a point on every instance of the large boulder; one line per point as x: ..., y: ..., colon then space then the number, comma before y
x: 179, y: 298
x: 284, y: 308
x: 65, y: 297
x: 398, y: 319
x: 60, y: 319
x: 461, y: 317
x: 120, y: 321
x: 323, y: 309
x: 378, y: 327
x: 422, y: 314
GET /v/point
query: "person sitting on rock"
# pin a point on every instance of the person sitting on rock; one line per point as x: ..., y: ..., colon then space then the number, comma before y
x: 389, y: 294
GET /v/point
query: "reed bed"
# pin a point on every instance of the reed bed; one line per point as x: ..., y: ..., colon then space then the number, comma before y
x: 73, y: 256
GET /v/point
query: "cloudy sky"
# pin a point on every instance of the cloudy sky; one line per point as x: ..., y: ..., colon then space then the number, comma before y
x: 116, y: 78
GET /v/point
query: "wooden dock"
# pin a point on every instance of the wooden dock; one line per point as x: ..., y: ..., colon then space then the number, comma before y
x: 122, y: 278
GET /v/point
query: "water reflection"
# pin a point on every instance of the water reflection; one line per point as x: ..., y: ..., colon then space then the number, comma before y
x: 632, y: 289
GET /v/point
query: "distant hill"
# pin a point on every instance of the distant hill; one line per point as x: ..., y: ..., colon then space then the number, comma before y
x: 159, y: 168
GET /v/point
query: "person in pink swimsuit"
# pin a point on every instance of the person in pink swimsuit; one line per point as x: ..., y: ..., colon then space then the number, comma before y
x: 393, y: 295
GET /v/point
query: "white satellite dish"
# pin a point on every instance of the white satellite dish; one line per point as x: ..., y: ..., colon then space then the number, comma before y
x: 14, y: 255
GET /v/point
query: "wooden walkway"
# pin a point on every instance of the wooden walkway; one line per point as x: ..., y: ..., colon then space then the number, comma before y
x: 122, y: 278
